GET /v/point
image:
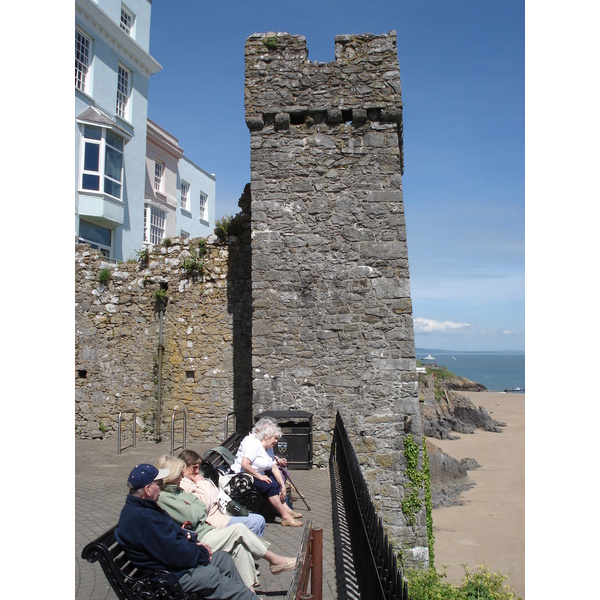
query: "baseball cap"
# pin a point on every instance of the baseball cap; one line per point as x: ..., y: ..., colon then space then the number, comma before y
x: 145, y: 474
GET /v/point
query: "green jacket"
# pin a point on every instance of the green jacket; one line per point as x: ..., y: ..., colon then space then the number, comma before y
x: 183, y: 506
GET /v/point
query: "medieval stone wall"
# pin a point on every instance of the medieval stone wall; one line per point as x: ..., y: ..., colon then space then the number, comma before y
x: 332, y: 325
x: 205, y: 359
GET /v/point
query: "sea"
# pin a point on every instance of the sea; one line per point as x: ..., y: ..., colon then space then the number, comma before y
x: 497, y: 371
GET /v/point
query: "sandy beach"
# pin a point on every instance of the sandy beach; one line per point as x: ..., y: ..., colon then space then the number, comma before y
x: 489, y: 526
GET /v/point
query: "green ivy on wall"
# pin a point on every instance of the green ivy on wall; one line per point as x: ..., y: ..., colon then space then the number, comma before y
x: 428, y: 504
x: 418, y: 480
x: 412, y: 502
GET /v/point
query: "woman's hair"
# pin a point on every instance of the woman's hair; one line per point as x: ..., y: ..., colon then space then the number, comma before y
x: 175, y: 466
x: 266, y: 427
x: 190, y: 457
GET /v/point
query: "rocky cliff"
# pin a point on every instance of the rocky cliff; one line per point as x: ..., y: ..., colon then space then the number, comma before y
x: 444, y: 411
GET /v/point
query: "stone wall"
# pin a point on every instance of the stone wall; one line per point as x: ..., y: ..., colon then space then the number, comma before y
x: 332, y: 326
x: 205, y: 340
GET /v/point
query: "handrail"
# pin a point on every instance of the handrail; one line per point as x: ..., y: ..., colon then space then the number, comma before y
x: 379, y: 577
x: 183, y: 411
x: 227, y: 424
x: 127, y: 410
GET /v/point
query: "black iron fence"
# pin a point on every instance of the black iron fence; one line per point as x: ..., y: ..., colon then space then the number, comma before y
x: 376, y: 568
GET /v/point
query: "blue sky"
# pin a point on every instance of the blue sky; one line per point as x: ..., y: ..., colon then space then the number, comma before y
x: 462, y: 69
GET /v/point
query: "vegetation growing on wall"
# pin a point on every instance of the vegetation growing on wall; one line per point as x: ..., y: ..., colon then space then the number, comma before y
x: 227, y: 226
x: 143, y: 256
x: 270, y: 42
x: 411, y: 504
x: 428, y: 504
x: 104, y: 276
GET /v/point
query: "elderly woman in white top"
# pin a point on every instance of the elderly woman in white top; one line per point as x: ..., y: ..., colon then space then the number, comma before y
x: 255, y: 457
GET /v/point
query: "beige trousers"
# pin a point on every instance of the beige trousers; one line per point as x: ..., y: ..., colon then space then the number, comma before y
x: 243, y: 545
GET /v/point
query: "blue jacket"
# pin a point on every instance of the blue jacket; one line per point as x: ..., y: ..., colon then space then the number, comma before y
x: 153, y: 541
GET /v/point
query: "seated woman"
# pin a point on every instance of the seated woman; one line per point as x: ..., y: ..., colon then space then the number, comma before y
x: 255, y: 457
x: 243, y: 545
x: 194, y: 483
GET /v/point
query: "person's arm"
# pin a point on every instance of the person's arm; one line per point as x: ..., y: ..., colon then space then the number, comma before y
x: 169, y: 545
x: 183, y: 507
x: 247, y: 466
x: 280, y: 480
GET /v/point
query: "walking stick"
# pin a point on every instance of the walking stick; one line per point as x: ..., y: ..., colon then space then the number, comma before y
x: 286, y: 474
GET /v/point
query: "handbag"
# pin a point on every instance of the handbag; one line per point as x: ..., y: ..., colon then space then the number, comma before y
x: 230, y: 506
x: 235, y: 509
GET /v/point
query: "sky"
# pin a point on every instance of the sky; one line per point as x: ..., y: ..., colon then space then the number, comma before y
x: 462, y: 70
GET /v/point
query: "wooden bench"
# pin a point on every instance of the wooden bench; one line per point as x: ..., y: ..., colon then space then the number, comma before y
x: 129, y: 583
x: 215, y: 462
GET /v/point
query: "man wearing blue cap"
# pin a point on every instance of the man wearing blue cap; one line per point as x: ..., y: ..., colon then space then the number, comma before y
x: 153, y: 541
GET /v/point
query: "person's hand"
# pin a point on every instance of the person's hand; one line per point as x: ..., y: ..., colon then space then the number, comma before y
x: 282, y: 461
x: 282, y: 493
x: 207, y: 547
x: 264, y: 478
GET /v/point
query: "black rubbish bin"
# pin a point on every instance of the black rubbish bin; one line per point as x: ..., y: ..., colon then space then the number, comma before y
x: 296, y: 443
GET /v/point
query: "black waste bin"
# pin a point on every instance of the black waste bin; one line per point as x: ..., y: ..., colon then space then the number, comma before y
x: 296, y: 443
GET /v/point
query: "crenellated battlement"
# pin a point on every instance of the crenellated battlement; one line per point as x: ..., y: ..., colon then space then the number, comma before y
x: 284, y: 88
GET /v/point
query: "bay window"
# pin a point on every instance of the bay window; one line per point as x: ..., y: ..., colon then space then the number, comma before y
x: 102, y: 169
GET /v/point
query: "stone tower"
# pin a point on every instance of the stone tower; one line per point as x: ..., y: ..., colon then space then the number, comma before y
x: 332, y: 324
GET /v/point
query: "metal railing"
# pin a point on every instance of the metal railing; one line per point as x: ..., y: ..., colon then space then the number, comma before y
x: 182, y: 412
x: 128, y: 410
x: 378, y: 577
x: 226, y: 435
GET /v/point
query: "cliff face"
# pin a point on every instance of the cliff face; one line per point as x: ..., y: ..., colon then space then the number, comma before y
x: 445, y: 411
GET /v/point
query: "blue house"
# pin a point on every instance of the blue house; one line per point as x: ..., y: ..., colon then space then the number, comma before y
x: 112, y: 70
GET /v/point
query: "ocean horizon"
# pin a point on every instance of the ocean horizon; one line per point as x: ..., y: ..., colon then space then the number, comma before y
x: 496, y: 370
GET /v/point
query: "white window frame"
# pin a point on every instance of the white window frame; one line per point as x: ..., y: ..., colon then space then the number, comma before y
x: 159, y: 176
x: 82, y: 59
x: 202, y: 205
x: 127, y: 20
x: 185, y: 196
x: 123, y: 89
x: 155, y: 222
x: 108, y: 147
x: 184, y: 234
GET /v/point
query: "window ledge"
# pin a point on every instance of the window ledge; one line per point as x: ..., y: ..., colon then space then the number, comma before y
x: 186, y: 213
x: 124, y: 121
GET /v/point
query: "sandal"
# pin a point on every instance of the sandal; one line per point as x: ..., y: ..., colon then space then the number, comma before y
x: 290, y: 563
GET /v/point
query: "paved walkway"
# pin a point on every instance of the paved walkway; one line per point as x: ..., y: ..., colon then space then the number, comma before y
x: 101, y: 488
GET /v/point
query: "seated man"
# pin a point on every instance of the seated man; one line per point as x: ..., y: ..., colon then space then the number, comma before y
x: 153, y: 541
